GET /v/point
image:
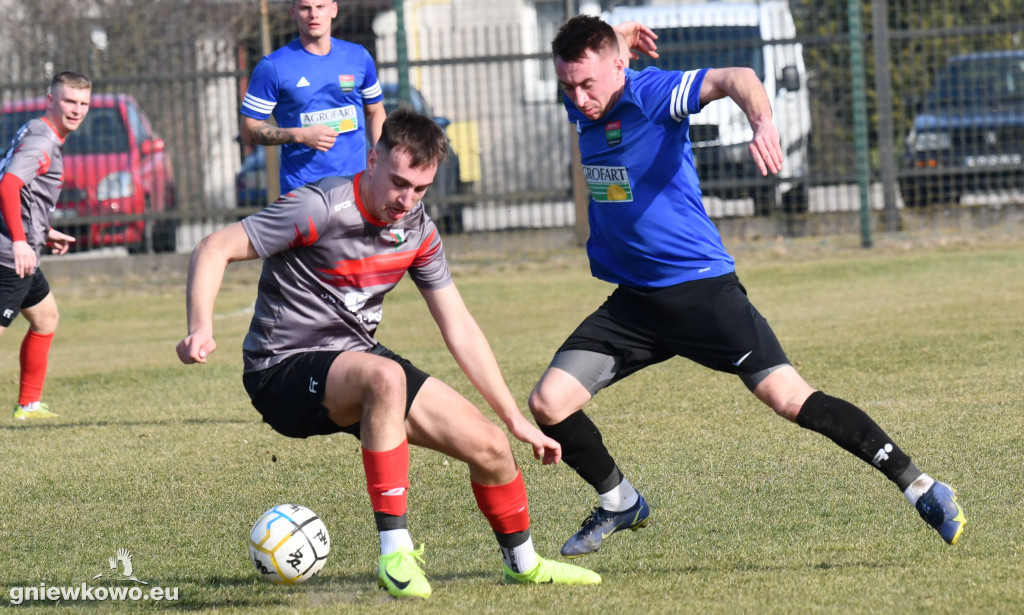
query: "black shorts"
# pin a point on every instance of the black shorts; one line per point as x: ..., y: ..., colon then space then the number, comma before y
x: 709, y: 321
x: 290, y: 394
x: 17, y: 293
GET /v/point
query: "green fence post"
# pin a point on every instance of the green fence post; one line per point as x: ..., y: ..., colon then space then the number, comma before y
x: 402, y: 52
x: 860, y: 119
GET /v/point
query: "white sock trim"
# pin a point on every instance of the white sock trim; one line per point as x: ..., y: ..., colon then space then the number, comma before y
x: 520, y: 559
x: 918, y: 488
x: 392, y: 540
x: 620, y: 498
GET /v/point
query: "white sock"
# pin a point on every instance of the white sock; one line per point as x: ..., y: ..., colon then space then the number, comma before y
x: 620, y: 498
x: 918, y: 488
x: 31, y: 406
x: 391, y: 540
x: 520, y: 559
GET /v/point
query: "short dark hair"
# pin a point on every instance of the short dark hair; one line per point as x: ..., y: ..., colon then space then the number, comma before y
x: 581, y: 34
x: 70, y: 79
x: 415, y: 133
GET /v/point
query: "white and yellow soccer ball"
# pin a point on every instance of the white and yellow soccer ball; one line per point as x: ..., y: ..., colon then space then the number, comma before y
x: 289, y: 544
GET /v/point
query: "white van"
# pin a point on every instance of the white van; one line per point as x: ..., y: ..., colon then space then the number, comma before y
x: 760, y: 36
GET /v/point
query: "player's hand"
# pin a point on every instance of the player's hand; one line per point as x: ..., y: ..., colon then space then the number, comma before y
x: 59, y: 242
x: 638, y: 38
x: 766, y: 149
x: 544, y: 448
x: 319, y: 137
x: 196, y: 347
x: 25, y: 259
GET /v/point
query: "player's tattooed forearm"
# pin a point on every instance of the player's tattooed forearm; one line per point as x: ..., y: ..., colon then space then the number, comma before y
x: 271, y: 135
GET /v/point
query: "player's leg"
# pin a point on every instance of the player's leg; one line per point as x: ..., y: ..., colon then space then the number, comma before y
x: 768, y: 374
x: 40, y: 309
x: 621, y: 505
x: 372, y: 390
x: 582, y: 367
x: 443, y: 420
x: 786, y: 392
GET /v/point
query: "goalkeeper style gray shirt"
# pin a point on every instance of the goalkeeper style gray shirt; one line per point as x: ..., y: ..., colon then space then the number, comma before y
x: 36, y: 157
x: 327, y: 266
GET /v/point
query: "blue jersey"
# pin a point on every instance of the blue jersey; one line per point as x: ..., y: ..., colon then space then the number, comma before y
x: 648, y: 225
x: 301, y: 89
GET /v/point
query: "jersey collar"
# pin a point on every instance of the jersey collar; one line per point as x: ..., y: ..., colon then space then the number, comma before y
x: 359, y: 203
x: 53, y: 128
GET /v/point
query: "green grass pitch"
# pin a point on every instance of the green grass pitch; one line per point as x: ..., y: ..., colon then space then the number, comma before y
x: 750, y: 514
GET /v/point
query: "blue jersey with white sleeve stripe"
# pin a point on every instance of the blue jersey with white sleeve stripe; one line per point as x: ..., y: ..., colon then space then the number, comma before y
x: 648, y: 225
x: 300, y: 88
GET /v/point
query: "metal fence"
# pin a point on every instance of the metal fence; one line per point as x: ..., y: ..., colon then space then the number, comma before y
x: 914, y: 111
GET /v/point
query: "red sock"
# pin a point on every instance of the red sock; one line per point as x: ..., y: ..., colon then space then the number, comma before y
x: 505, y: 506
x: 387, y: 478
x: 35, y: 353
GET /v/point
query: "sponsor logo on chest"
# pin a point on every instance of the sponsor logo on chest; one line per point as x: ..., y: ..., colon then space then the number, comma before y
x: 342, y: 119
x: 608, y: 184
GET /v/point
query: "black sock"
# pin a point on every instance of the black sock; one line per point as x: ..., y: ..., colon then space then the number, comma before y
x: 583, y: 450
x: 387, y: 522
x: 513, y: 540
x: 852, y: 429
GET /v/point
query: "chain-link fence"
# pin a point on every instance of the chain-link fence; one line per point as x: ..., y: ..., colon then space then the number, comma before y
x: 893, y: 114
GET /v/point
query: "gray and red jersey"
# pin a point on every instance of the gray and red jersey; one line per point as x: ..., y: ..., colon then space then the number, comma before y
x: 36, y: 157
x: 327, y: 266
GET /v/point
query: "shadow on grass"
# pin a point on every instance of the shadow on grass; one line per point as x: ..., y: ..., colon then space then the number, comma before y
x: 198, y: 595
x: 59, y: 424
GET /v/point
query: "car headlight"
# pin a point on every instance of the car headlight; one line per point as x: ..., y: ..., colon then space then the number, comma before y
x: 117, y: 185
x: 931, y: 141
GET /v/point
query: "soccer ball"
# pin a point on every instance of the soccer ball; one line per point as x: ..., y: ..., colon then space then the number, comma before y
x: 289, y: 544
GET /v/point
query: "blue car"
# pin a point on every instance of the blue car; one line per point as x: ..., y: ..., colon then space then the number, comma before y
x: 968, y: 135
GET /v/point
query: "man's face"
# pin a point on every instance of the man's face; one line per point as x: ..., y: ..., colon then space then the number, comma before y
x: 313, y: 17
x: 594, y: 82
x: 66, y: 107
x: 391, y: 187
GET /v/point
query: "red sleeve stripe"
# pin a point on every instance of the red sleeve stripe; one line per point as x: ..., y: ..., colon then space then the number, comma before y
x: 10, y: 205
x: 428, y: 249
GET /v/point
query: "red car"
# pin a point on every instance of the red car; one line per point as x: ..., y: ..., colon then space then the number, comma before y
x: 114, y: 165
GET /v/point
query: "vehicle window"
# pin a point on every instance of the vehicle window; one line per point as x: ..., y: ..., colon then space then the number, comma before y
x: 102, y: 132
x: 138, y: 126
x: 979, y: 81
x: 707, y: 47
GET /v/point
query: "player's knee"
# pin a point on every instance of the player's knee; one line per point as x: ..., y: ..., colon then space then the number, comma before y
x: 44, y: 322
x: 786, y: 403
x: 385, y: 385
x: 541, y: 406
x: 491, y: 451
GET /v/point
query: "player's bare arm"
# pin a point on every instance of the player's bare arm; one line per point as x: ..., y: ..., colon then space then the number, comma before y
x: 375, y: 116
x: 468, y: 345
x: 636, y: 38
x: 261, y: 132
x: 205, y: 274
x: 742, y: 86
